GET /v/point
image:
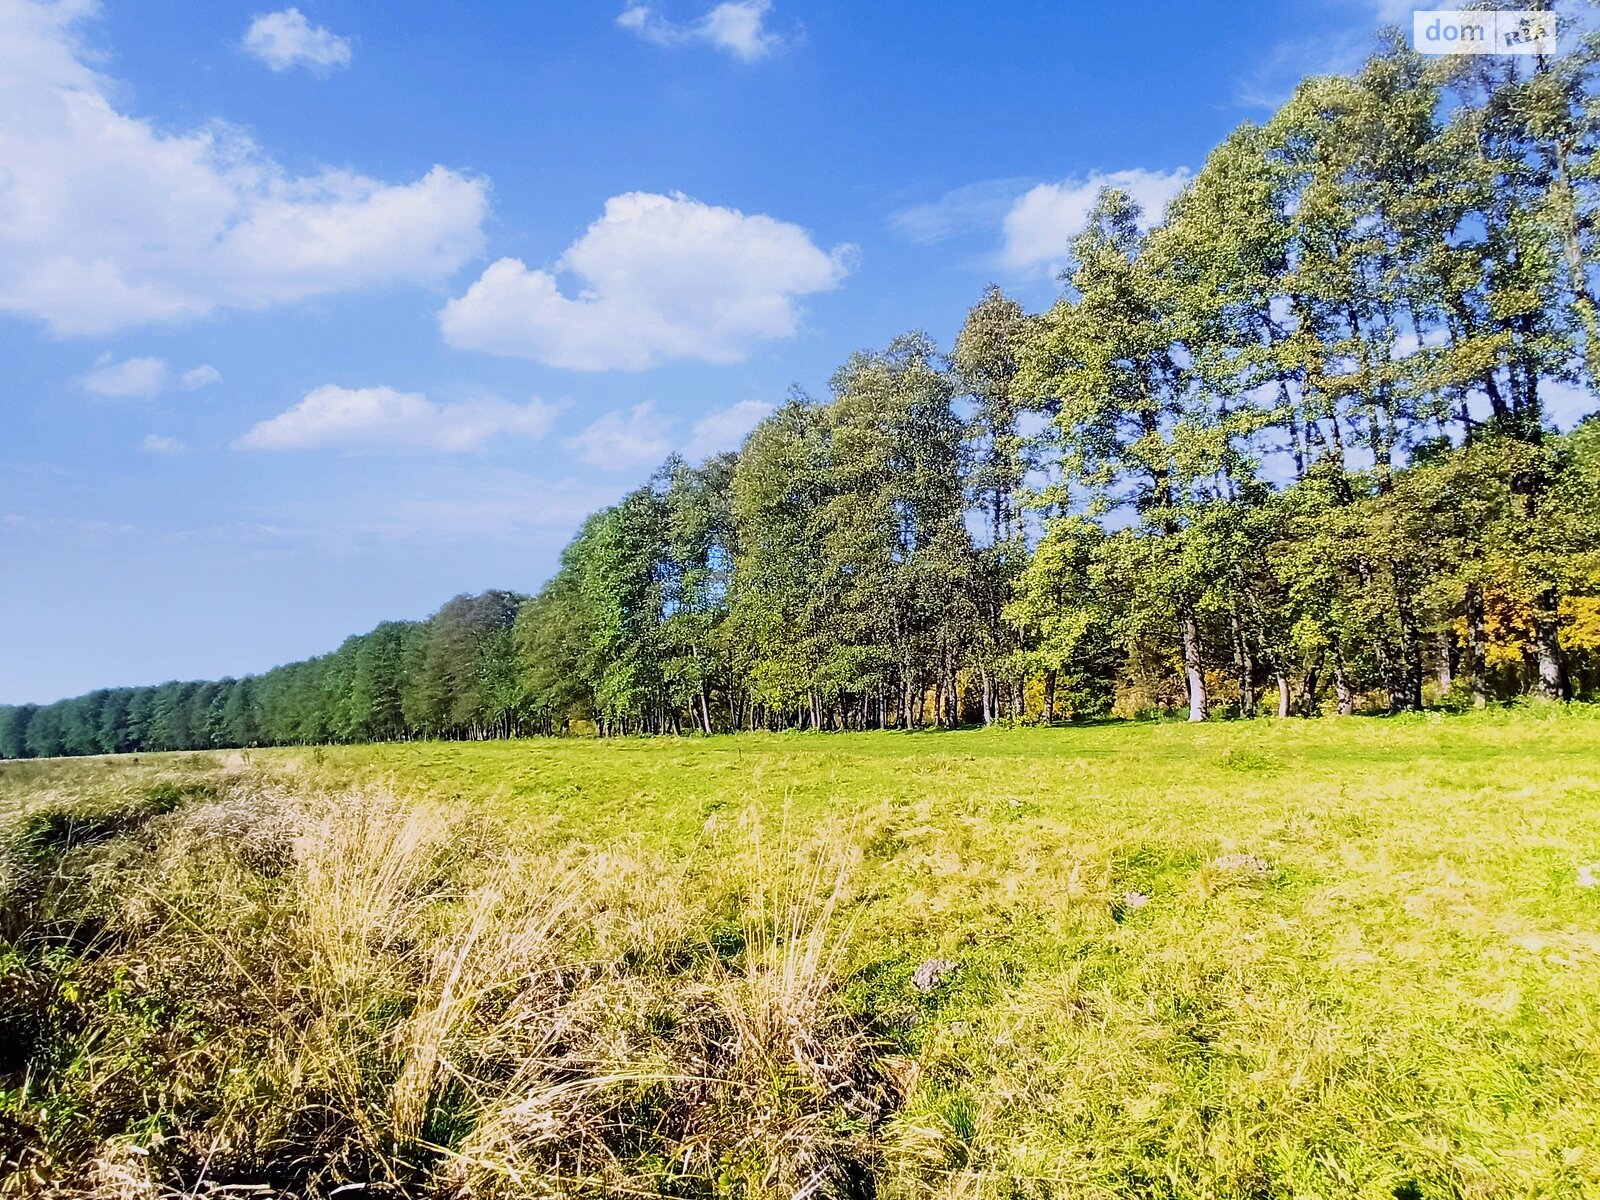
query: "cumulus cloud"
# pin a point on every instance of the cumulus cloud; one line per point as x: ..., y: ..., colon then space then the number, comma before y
x: 381, y: 418
x: 156, y: 443
x: 737, y: 27
x: 202, y: 376
x: 286, y: 39
x: 107, y: 222
x: 725, y: 429
x: 660, y: 278
x: 1038, y: 229
x: 142, y: 377
x: 622, y: 441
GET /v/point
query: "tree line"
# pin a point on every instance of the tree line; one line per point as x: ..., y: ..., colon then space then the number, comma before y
x: 1284, y: 448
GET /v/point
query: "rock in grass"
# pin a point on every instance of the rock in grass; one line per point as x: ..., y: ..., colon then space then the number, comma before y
x: 1132, y: 900
x: 1243, y: 866
x: 931, y: 974
x: 1236, y: 870
x: 1587, y: 876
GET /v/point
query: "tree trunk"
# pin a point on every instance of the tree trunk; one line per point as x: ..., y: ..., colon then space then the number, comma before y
x: 1246, y: 665
x: 1444, y: 646
x: 1341, y: 682
x: 1050, y: 695
x: 1192, y: 667
x: 1552, y: 682
x: 1283, y: 696
x: 1308, y: 689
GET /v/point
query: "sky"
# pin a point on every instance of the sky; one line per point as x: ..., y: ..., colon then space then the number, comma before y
x: 315, y: 316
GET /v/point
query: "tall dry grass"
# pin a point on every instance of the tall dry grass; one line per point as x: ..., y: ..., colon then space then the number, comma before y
x: 301, y: 993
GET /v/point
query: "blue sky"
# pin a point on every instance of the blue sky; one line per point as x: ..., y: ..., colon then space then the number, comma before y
x: 314, y: 317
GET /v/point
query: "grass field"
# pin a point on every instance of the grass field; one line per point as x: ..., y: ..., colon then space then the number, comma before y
x: 1275, y: 959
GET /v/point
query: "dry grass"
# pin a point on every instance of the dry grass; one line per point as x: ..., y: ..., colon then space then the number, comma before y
x: 309, y: 992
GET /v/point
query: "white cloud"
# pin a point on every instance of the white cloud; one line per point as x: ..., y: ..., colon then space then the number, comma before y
x: 380, y: 418
x: 660, y: 278
x: 621, y: 441
x: 143, y: 377
x: 107, y: 222
x: 1038, y: 229
x: 286, y: 39
x: 202, y: 376
x: 737, y: 27
x: 725, y: 429
x: 156, y: 443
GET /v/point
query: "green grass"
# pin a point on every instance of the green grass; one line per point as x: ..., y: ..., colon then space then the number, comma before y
x: 1403, y: 1001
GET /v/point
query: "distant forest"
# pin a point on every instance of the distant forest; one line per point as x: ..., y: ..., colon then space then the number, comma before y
x: 1285, y: 449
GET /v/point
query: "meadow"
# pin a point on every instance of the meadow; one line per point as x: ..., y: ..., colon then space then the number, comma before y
x: 1268, y: 959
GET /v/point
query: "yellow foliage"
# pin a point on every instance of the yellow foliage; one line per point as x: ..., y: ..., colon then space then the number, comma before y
x: 1507, y: 627
x: 1580, y: 623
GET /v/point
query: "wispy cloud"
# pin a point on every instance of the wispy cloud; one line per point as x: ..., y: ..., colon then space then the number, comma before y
x: 641, y: 436
x: 132, y: 377
x: 972, y: 208
x: 381, y: 418
x: 736, y: 27
x: 442, y: 503
x: 1278, y: 70
x: 144, y: 378
x: 1395, y: 12
x: 202, y: 376
x: 459, y: 508
x: 624, y: 440
x: 724, y: 429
